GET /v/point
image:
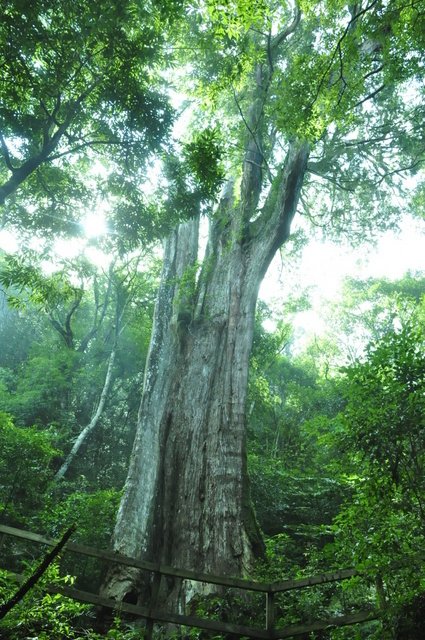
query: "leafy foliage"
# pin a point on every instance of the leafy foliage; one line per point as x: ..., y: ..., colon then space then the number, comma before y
x: 25, y: 470
x: 49, y: 616
x: 203, y: 156
x: 383, y: 425
x: 44, y: 292
x: 386, y: 407
x: 77, y: 79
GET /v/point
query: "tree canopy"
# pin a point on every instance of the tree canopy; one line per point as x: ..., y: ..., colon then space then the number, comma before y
x: 79, y: 82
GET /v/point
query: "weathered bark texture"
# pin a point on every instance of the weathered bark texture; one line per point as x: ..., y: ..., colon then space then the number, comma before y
x: 186, y: 501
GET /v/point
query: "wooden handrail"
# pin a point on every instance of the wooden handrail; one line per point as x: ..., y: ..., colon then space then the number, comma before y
x: 237, y: 583
x: 157, y: 615
x: 152, y: 614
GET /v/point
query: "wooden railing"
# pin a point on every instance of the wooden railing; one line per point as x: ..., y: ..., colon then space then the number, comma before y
x: 152, y: 614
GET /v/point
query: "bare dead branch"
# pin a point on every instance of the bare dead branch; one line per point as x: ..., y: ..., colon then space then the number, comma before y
x: 35, y: 577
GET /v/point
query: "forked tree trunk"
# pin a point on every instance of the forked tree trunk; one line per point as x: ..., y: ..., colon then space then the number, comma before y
x: 186, y: 501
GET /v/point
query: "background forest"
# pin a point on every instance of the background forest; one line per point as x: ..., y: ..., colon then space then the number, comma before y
x: 155, y: 120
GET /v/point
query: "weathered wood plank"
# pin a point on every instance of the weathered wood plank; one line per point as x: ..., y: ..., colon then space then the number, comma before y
x: 270, y: 611
x: 291, y: 631
x: 111, y: 556
x: 149, y: 613
x: 160, y: 616
x: 156, y: 583
x: 340, y: 621
x: 223, y: 581
x: 298, y: 583
x: 25, y: 535
x: 275, y: 587
x: 37, y: 573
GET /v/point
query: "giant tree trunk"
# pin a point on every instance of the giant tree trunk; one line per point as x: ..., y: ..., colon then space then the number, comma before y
x: 186, y: 501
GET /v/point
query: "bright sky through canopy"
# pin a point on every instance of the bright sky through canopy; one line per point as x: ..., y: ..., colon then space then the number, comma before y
x: 324, y: 265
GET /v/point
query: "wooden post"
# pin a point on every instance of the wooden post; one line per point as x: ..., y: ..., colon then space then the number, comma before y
x: 152, y: 605
x: 387, y: 632
x: 270, y: 612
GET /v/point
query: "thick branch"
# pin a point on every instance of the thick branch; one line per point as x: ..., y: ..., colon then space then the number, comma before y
x: 68, y: 338
x: 20, y: 174
x: 281, y: 37
x: 290, y: 188
x: 73, y: 309
x: 254, y: 160
x: 6, y: 154
x: 272, y: 228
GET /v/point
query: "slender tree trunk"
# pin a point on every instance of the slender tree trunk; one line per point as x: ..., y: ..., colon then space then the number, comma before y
x: 121, y: 304
x: 93, y: 422
x: 186, y: 501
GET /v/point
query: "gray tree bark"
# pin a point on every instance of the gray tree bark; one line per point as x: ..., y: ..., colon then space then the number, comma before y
x: 186, y: 500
